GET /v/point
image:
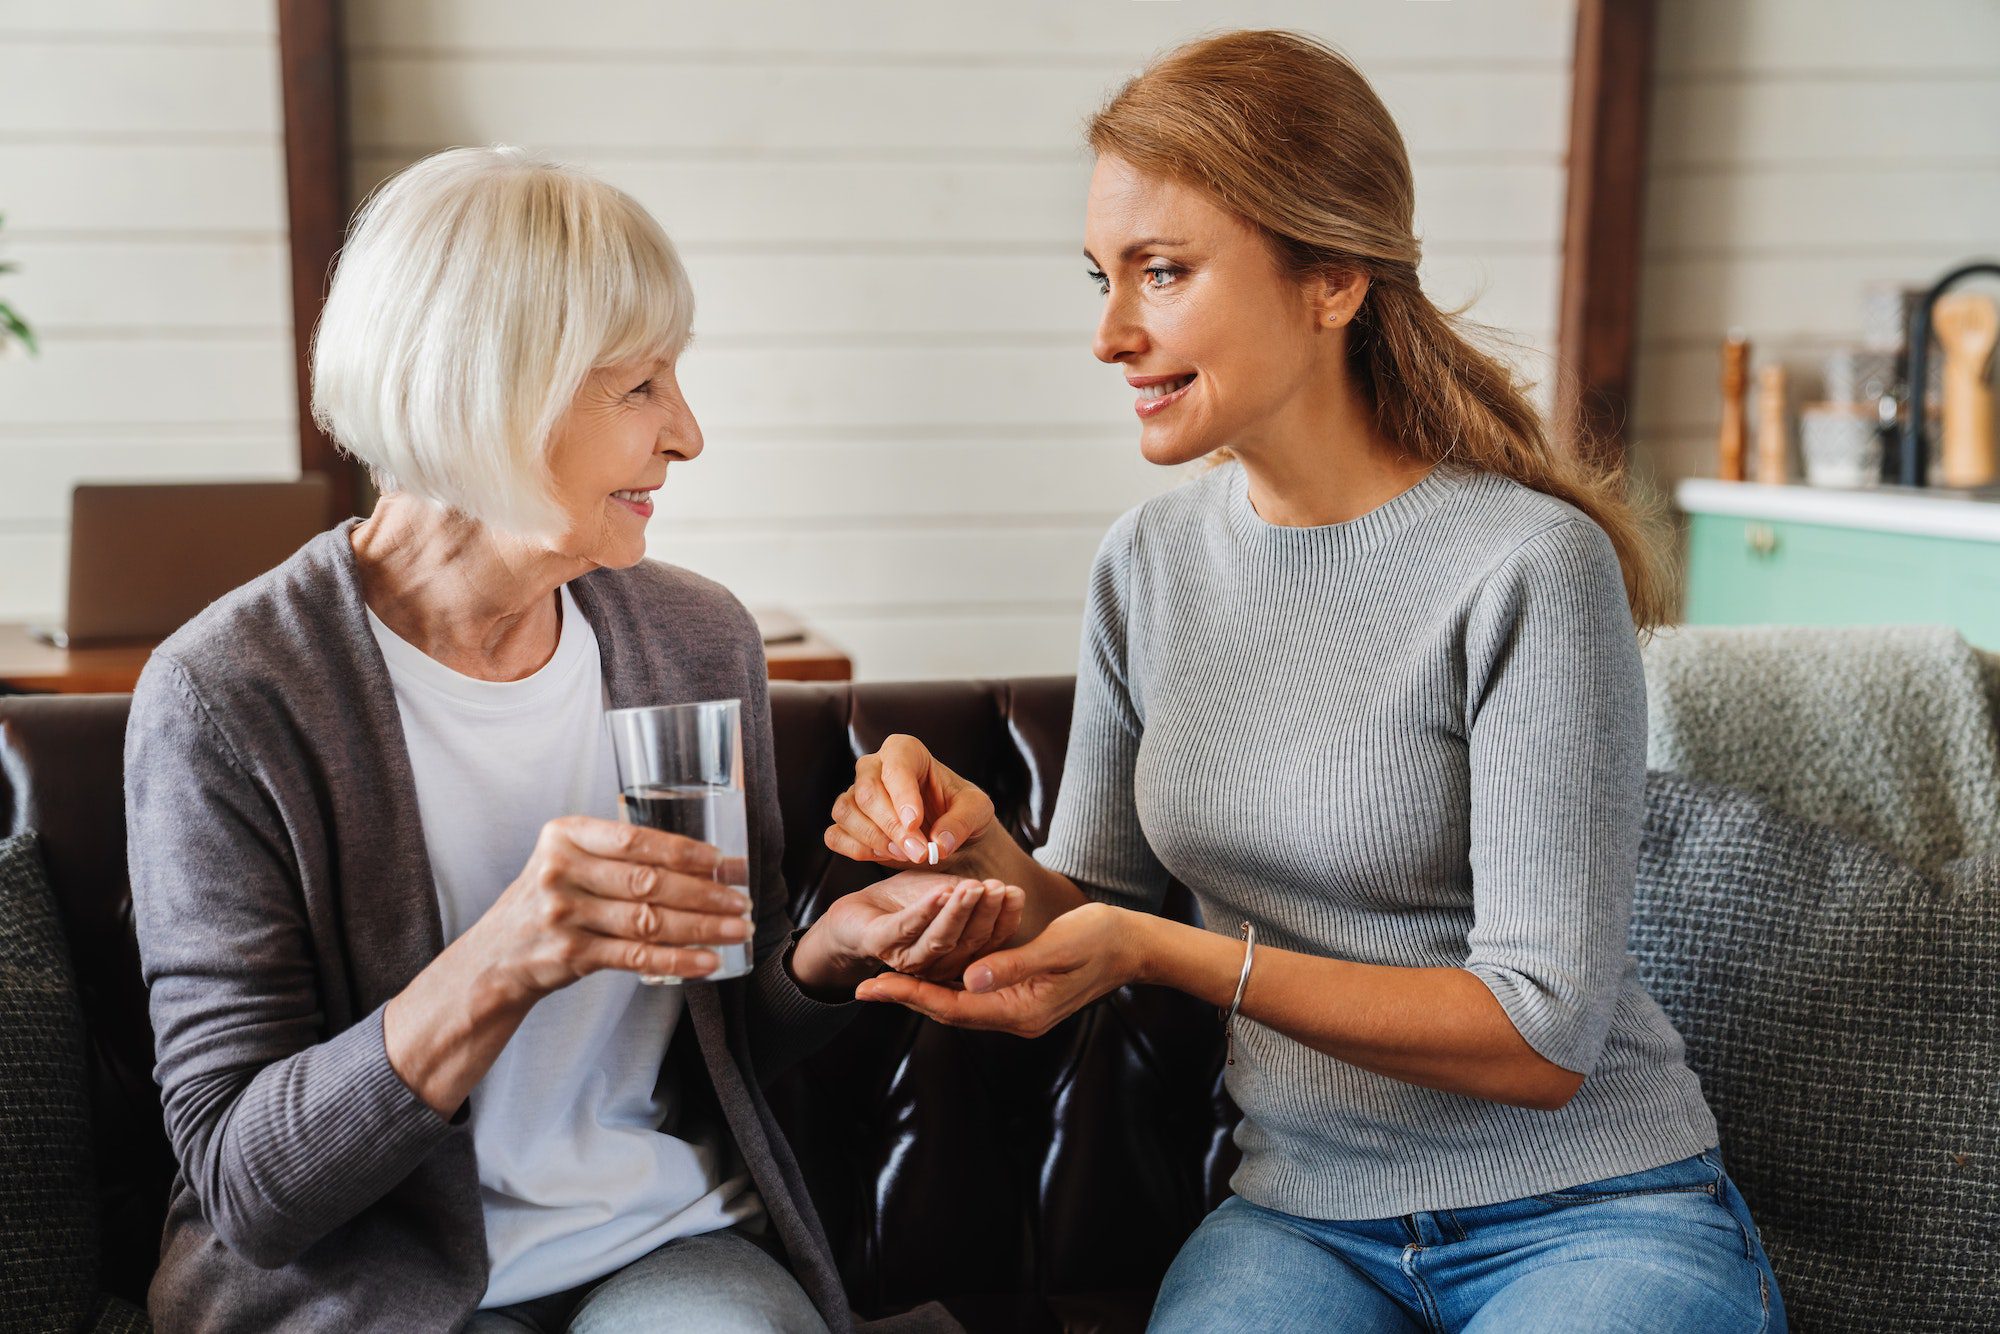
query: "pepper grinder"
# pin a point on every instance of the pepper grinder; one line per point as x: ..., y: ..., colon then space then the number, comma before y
x: 1967, y: 326
x: 1735, y: 380
x: 1773, y: 439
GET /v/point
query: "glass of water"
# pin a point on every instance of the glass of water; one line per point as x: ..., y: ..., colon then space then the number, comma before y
x: 680, y: 768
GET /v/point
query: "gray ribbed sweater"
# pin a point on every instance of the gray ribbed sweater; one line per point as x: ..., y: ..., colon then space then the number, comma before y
x: 1417, y: 738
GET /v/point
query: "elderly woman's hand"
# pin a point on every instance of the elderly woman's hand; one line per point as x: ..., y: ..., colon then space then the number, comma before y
x: 600, y: 894
x: 925, y: 924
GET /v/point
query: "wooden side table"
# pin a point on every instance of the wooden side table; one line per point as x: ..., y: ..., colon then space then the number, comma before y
x: 27, y: 664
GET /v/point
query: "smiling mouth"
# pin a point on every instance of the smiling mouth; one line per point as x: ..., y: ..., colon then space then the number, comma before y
x: 639, y: 502
x: 1164, y: 388
x: 1157, y: 398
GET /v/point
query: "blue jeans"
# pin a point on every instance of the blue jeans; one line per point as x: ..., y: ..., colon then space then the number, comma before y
x: 1671, y: 1249
x: 716, y: 1283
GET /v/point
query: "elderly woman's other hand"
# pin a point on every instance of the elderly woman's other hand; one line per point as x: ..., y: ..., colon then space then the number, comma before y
x: 600, y: 894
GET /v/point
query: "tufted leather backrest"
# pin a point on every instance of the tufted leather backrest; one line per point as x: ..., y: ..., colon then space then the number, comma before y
x: 944, y: 1162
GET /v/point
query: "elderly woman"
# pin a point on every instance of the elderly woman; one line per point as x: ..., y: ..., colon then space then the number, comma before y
x: 393, y: 931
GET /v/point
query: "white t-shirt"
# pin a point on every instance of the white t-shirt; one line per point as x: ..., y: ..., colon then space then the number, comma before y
x: 576, y: 1176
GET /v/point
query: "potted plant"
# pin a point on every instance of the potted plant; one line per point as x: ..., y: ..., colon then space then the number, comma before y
x: 13, y: 329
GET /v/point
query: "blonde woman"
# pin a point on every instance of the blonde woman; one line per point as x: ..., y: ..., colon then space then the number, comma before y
x: 393, y: 930
x: 1371, y: 689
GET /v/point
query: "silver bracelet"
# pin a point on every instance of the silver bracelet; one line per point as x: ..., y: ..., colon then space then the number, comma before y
x: 1249, y: 934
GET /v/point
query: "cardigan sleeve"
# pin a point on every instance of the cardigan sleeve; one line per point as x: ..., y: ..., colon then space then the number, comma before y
x: 784, y: 1023
x: 1556, y: 739
x: 284, y: 1130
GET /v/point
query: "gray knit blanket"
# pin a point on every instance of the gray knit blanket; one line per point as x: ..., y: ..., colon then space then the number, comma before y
x: 1885, y: 733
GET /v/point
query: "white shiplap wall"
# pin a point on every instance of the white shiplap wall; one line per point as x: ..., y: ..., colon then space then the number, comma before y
x: 142, y: 179
x: 1801, y: 149
x: 881, y: 207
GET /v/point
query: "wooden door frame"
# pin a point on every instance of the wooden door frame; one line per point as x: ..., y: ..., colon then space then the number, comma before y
x: 312, y: 59
x: 1598, y: 314
x: 1597, y: 327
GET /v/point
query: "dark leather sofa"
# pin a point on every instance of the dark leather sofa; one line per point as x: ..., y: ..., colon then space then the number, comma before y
x: 1031, y: 1185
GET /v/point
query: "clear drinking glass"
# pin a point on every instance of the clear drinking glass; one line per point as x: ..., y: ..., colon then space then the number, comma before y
x: 680, y: 768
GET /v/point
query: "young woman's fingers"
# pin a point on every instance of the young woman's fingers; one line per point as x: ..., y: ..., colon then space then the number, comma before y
x: 860, y: 828
x: 939, y: 1003
x: 905, y: 788
x: 868, y: 827
x: 873, y: 800
x: 845, y: 845
x: 968, y: 811
x: 1007, y: 968
x: 908, y: 771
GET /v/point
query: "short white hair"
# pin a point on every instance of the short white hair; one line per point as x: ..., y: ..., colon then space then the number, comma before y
x: 477, y: 290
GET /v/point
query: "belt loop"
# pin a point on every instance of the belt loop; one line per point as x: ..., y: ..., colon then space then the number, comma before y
x: 1426, y: 1227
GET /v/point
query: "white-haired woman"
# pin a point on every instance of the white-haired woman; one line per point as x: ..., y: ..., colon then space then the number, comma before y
x: 392, y: 928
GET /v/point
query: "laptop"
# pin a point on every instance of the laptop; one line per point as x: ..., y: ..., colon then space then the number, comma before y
x: 143, y: 559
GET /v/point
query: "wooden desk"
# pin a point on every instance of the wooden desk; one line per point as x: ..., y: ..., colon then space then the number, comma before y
x: 27, y: 664
x: 813, y: 658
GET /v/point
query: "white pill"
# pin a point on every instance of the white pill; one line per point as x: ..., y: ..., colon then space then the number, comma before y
x: 933, y: 847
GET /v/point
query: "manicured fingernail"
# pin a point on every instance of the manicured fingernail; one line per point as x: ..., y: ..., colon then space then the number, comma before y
x: 908, y: 813
x: 914, y: 849
x: 978, y: 978
x: 946, y: 841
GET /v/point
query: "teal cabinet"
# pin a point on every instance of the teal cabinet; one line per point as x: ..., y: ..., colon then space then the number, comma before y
x: 1749, y: 569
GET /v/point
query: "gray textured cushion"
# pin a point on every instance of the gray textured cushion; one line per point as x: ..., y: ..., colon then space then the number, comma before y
x: 1843, y: 1011
x: 48, y: 1228
x: 48, y: 1207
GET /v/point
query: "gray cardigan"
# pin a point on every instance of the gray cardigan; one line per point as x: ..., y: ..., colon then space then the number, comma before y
x: 283, y: 895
